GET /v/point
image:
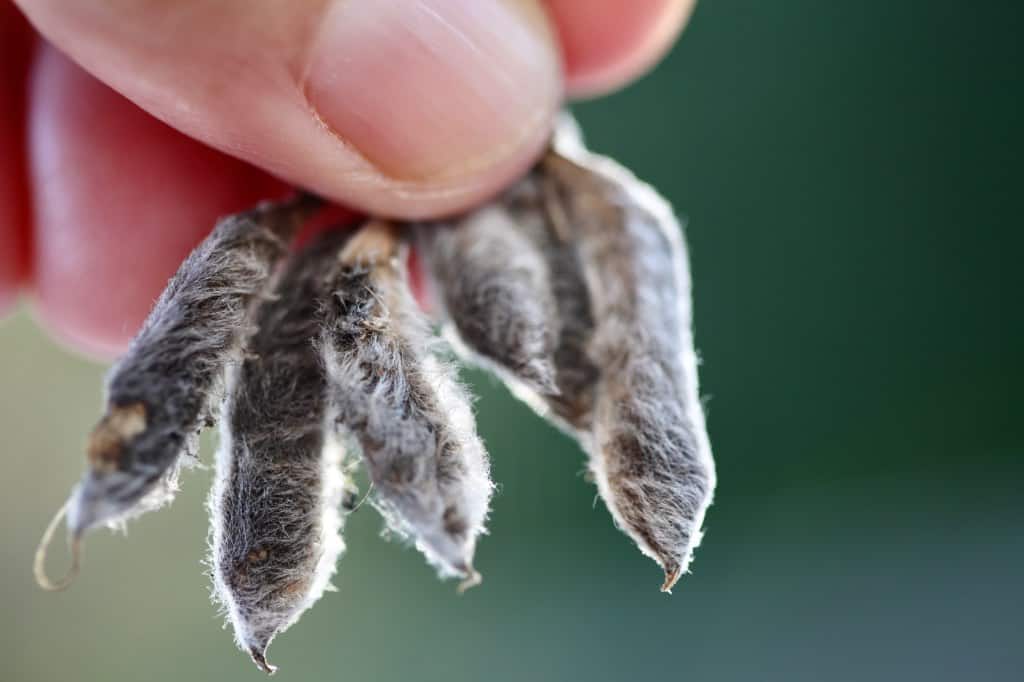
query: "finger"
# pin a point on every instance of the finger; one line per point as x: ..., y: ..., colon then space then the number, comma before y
x: 15, y: 47
x: 119, y: 200
x: 607, y: 43
x: 406, y: 108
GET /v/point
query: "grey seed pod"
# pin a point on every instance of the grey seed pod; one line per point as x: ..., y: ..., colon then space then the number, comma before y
x: 393, y: 396
x: 536, y: 211
x: 165, y: 389
x: 493, y: 284
x: 513, y: 296
x: 649, y: 447
x: 274, y: 510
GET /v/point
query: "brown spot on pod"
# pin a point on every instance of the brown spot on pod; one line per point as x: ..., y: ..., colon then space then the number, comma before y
x: 119, y: 426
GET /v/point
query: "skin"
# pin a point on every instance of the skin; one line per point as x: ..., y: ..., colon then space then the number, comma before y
x: 127, y: 127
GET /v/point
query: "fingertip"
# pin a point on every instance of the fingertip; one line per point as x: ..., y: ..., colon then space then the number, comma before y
x: 119, y: 200
x: 608, y: 43
x: 430, y: 90
x: 408, y: 109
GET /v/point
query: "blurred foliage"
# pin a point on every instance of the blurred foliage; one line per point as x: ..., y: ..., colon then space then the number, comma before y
x: 850, y: 175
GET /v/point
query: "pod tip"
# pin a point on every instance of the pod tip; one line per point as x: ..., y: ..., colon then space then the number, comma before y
x: 471, y: 580
x: 672, y: 574
x: 260, y: 659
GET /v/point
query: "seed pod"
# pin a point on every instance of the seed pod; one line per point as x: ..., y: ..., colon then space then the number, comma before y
x: 536, y: 207
x: 515, y: 301
x: 493, y: 283
x: 393, y: 396
x: 275, y: 524
x: 649, y: 448
x: 165, y: 389
x: 538, y: 216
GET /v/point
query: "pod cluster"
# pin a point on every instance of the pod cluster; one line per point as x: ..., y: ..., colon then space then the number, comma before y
x: 572, y: 286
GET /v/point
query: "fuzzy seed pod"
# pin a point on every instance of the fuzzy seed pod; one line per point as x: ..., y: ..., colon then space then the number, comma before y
x: 649, y: 448
x: 393, y: 396
x: 166, y: 388
x: 493, y: 283
x: 514, y: 299
x: 536, y: 211
x: 275, y: 523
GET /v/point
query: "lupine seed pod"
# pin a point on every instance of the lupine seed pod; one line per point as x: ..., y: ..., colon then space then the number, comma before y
x: 614, y: 263
x: 573, y: 286
x: 166, y: 388
x: 393, y: 396
x: 538, y: 217
x: 649, y: 448
x: 514, y: 300
x: 493, y: 284
x: 275, y: 523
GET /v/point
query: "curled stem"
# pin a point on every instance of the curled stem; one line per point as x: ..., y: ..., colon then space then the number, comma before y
x: 39, y: 565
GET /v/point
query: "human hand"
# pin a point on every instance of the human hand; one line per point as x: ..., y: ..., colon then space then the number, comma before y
x: 407, y: 108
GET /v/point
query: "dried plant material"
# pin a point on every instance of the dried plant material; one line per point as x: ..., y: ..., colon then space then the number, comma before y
x: 164, y: 390
x: 493, y: 283
x: 573, y: 286
x: 511, y: 290
x: 275, y: 522
x: 393, y: 396
x: 649, y: 448
x: 39, y: 562
x: 538, y: 217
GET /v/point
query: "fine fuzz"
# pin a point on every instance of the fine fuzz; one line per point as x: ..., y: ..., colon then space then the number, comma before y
x: 392, y: 395
x: 511, y: 290
x: 538, y: 215
x: 580, y: 269
x: 573, y: 286
x: 649, y: 448
x: 165, y: 389
x: 494, y: 286
x: 274, y: 509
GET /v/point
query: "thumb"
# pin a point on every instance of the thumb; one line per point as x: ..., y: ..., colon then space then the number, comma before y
x: 408, y: 108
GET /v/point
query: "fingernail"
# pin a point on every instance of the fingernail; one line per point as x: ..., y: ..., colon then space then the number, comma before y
x: 430, y: 89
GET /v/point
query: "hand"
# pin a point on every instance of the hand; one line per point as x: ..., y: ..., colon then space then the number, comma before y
x: 406, y: 108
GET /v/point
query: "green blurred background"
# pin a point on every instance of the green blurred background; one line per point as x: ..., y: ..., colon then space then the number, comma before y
x: 850, y: 172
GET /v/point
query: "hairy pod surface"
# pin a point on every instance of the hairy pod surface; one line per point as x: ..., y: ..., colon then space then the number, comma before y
x: 539, y: 218
x: 514, y: 299
x: 275, y: 523
x: 650, y: 452
x: 580, y: 269
x: 494, y: 285
x: 573, y: 286
x: 166, y: 388
x: 393, y: 396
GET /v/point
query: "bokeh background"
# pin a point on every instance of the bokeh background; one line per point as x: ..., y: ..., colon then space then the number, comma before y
x: 851, y: 176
